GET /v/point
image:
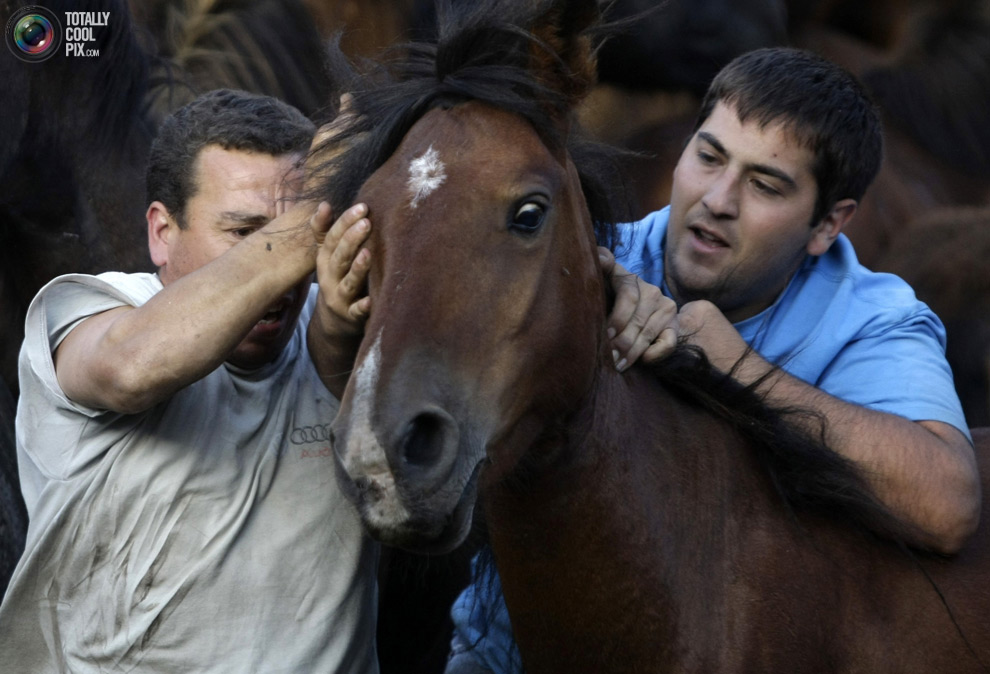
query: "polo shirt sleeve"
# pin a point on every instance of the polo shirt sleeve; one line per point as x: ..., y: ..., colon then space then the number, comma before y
x: 900, y: 369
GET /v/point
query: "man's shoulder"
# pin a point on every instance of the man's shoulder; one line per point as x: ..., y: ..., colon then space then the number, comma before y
x: 858, y: 290
x: 86, y: 292
x: 834, y: 302
x: 134, y: 288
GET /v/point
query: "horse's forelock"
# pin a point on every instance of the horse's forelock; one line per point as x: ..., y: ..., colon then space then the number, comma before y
x: 484, y: 55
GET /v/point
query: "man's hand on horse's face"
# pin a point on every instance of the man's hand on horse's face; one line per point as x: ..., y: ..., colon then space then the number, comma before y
x: 342, y: 272
x: 641, y: 324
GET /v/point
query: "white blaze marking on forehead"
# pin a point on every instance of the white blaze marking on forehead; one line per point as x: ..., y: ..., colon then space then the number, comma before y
x: 426, y: 174
x: 368, y: 459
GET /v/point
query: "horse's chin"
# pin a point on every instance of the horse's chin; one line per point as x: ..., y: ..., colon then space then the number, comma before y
x: 434, y: 539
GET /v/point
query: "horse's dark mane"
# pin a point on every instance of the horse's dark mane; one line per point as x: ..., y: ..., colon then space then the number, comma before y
x: 808, y: 476
x: 938, y: 89
x: 481, y: 55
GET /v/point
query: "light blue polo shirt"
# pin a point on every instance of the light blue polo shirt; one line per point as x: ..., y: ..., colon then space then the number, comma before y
x: 858, y: 335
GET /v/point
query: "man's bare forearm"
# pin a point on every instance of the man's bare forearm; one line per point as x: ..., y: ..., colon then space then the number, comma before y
x: 132, y: 358
x: 924, y: 472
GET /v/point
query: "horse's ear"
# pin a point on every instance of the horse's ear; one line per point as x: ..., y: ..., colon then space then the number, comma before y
x: 569, y: 65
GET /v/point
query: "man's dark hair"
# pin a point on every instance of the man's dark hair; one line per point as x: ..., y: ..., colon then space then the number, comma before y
x: 230, y: 119
x: 823, y: 105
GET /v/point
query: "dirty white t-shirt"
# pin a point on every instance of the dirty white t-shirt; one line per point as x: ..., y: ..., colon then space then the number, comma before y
x: 206, y: 534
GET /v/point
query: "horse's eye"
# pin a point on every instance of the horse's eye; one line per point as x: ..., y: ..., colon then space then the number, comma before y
x: 528, y: 218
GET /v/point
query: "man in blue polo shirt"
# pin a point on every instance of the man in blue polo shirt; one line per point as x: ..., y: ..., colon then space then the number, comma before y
x: 749, y: 263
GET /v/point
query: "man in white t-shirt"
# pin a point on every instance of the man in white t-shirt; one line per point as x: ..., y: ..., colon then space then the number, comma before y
x: 172, y: 429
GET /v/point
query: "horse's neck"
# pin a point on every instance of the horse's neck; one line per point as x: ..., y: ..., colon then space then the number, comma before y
x: 625, y: 535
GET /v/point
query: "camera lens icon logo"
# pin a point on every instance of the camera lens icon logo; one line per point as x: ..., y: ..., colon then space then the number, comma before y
x: 33, y: 34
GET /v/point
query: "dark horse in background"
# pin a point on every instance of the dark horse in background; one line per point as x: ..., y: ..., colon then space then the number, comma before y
x: 932, y: 86
x: 271, y: 47
x: 657, y: 521
x: 944, y: 255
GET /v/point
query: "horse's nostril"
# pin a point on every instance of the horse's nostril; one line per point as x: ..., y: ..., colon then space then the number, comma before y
x: 422, y: 443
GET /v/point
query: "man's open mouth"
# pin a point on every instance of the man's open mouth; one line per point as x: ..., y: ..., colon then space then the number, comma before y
x: 708, y: 237
x: 275, y: 314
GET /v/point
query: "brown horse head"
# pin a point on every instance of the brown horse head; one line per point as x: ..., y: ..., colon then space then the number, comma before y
x: 488, y: 299
x: 488, y: 312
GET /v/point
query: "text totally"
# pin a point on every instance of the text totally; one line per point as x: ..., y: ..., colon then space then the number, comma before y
x: 87, y: 18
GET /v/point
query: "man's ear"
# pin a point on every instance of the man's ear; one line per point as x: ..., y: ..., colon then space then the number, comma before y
x: 829, y: 228
x: 160, y: 226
